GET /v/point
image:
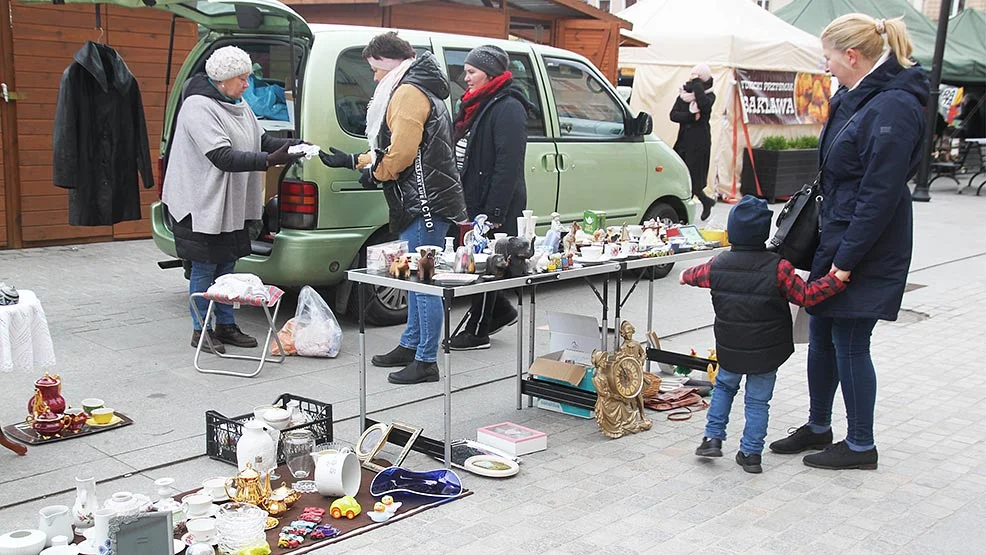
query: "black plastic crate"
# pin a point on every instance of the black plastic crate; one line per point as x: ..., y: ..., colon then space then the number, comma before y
x: 222, y: 433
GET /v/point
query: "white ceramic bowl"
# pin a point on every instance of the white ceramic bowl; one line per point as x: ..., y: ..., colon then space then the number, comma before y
x: 278, y: 418
x: 22, y: 542
x: 591, y: 253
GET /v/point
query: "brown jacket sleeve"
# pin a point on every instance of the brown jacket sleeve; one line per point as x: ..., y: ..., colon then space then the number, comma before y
x: 407, y: 113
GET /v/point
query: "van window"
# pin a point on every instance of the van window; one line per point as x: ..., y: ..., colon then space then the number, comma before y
x: 353, y: 88
x: 523, y: 72
x: 583, y: 101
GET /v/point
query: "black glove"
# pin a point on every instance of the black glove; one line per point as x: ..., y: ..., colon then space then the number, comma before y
x: 337, y: 158
x: 281, y: 156
x: 366, y: 179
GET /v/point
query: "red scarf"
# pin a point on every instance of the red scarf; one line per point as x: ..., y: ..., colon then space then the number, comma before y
x: 475, y: 98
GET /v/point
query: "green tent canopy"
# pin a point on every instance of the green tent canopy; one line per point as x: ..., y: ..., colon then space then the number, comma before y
x: 961, y: 59
x: 969, y: 29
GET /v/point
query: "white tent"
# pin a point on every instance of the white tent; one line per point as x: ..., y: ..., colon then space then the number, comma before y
x: 725, y: 34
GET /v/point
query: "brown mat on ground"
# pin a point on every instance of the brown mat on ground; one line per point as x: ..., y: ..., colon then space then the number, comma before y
x: 24, y: 433
x: 412, y: 505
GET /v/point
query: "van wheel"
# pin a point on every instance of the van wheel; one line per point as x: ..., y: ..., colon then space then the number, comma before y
x: 386, y: 306
x: 665, y: 214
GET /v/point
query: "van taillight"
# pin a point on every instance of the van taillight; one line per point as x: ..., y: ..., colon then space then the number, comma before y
x: 160, y: 177
x: 298, y: 202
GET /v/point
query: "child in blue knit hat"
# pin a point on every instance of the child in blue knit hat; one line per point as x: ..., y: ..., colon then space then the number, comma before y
x: 751, y: 289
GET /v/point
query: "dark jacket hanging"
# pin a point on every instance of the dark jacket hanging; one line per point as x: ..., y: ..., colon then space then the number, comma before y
x: 100, y: 139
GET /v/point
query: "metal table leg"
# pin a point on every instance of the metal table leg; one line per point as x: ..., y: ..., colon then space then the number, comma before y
x: 360, y: 295
x: 520, y: 347
x: 447, y: 305
x: 650, y: 304
x: 532, y: 324
x: 619, y: 305
x: 605, y: 333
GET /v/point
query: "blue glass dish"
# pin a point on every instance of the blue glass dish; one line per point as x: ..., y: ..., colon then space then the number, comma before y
x: 433, y: 483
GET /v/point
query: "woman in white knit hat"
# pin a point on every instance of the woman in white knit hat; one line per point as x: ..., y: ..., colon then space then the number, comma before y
x: 214, y: 180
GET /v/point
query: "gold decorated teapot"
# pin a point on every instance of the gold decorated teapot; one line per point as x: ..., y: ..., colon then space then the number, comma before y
x: 249, y: 486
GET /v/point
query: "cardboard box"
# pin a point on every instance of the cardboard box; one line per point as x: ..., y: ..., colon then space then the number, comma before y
x: 512, y: 438
x: 572, y: 339
x: 593, y: 220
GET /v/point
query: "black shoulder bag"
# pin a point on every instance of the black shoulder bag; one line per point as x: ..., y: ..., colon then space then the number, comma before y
x: 799, y: 224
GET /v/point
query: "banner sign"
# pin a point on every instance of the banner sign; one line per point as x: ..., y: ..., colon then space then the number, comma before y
x: 948, y: 101
x: 784, y: 97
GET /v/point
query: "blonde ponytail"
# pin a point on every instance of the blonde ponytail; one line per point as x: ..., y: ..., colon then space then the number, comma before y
x: 866, y: 35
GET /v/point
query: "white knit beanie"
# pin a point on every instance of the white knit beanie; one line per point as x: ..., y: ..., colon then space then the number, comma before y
x: 228, y: 62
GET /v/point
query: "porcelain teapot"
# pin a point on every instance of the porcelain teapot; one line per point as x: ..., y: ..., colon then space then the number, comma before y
x: 55, y: 520
x: 248, y: 486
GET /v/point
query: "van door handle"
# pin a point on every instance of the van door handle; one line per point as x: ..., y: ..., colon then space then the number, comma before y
x: 563, y: 165
x: 551, y: 167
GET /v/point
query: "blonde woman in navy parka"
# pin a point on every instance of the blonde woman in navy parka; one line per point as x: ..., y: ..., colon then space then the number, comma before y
x: 866, y: 227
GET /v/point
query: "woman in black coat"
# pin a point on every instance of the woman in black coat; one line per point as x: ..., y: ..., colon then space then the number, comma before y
x: 491, y: 142
x: 874, y: 134
x: 691, y: 112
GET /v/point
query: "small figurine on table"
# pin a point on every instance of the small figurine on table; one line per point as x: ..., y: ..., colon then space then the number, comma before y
x: 570, y: 241
x: 476, y: 239
x: 400, y: 268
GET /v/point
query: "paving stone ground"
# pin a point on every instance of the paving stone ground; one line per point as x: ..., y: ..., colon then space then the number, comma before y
x: 120, y: 328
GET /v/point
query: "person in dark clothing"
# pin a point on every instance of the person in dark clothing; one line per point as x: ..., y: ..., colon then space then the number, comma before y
x: 691, y: 111
x: 866, y: 227
x: 214, y: 182
x: 972, y: 114
x: 751, y: 289
x: 491, y: 141
x: 409, y: 132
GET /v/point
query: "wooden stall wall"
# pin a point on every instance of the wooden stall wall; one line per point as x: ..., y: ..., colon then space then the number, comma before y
x: 370, y: 15
x: 3, y: 196
x: 596, y: 40
x: 442, y: 17
x: 45, y: 39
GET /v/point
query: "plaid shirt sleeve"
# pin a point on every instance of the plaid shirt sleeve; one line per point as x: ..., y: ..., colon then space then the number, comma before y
x: 698, y: 276
x: 800, y: 293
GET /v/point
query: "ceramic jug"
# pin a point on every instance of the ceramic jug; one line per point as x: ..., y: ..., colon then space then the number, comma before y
x: 255, y: 442
x: 101, y: 528
x: 55, y: 520
x: 85, y: 502
x: 337, y: 473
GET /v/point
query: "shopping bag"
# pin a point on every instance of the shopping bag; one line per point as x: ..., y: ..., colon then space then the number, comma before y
x: 316, y: 331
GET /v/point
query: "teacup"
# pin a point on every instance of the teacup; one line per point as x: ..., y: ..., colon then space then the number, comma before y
x: 198, y: 505
x: 591, y: 252
x: 214, y: 488
x: 202, y: 529
x: 612, y: 249
x: 277, y: 418
x: 635, y: 231
x: 102, y: 416
x: 628, y: 247
x: 261, y: 410
x: 91, y: 404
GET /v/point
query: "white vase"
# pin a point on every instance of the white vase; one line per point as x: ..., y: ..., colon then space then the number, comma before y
x: 85, y: 502
x: 255, y: 442
x: 101, y: 522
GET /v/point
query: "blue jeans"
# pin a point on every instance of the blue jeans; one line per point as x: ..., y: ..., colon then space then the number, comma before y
x: 424, y: 312
x: 839, y: 354
x: 203, y: 276
x: 759, y: 390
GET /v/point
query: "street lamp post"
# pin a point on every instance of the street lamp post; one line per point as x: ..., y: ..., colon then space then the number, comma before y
x: 921, y: 190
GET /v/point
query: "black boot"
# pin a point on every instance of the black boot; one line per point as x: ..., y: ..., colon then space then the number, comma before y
x: 750, y: 463
x: 230, y: 334
x: 416, y: 372
x: 707, y: 204
x: 710, y: 447
x: 400, y: 356
x: 840, y: 457
x: 465, y: 341
x: 802, y: 439
x: 217, y: 345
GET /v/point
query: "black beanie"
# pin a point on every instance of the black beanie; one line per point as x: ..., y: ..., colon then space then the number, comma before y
x: 749, y: 222
x: 491, y: 60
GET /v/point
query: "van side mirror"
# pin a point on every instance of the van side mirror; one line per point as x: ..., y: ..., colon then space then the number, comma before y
x: 641, y: 125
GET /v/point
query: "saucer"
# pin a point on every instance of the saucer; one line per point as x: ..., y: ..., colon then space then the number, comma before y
x: 210, y: 512
x: 179, y: 546
x: 88, y: 547
x: 215, y: 499
x: 187, y: 539
x: 115, y: 420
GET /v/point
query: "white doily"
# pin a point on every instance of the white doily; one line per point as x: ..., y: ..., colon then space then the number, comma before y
x: 25, y: 342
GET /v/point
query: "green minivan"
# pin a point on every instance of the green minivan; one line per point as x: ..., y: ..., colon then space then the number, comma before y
x: 585, y: 148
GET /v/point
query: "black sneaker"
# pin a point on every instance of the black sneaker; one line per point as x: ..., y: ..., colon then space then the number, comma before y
x: 750, y: 463
x: 710, y: 447
x: 802, y: 439
x: 400, y: 356
x: 416, y: 372
x: 230, y: 334
x: 465, y: 341
x: 497, y: 325
x: 840, y: 457
x: 216, y: 344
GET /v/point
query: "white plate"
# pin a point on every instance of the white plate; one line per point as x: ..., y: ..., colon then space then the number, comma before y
x: 452, y: 278
x: 187, y: 539
x: 477, y: 465
x: 210, y: 512
x: 601, y: 260
x: 215, y: 499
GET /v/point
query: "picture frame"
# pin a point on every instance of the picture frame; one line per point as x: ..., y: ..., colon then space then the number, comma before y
x: 147, y: 533
x: 692, y: 234
x: 376, y: 437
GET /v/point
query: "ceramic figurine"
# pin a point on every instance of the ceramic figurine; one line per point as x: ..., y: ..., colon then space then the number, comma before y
x: 476, y: 237
x: 624, y: 234
x: 496, y: 266
x: 400, y: 268
x: 569, y: 241
x: 516, y: 251
x: 426, y: 266
x: 598, y: 235
x: 464, y: 261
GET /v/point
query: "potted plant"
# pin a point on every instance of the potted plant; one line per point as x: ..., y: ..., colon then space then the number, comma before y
x: 783, y: 166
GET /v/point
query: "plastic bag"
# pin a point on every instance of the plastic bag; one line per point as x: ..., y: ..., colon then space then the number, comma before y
x: 316, y: 331
x: 286, y: 337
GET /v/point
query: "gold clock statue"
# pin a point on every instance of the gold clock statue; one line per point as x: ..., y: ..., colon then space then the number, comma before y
x: 619, y: 382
